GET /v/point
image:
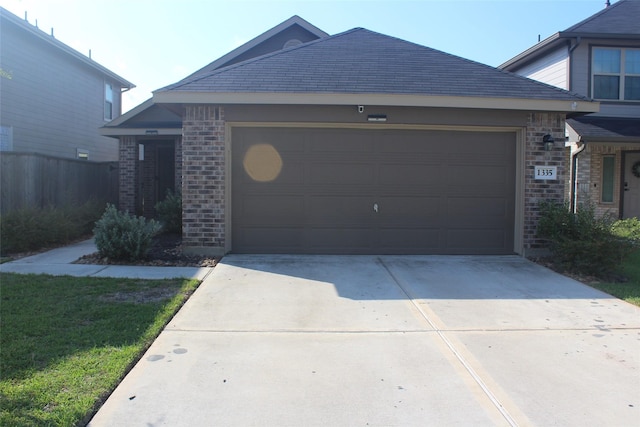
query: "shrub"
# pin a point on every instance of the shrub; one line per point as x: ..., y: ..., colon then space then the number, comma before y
x: 581, y: 241
x: 627, y: 229
x: 170, y: 212
x: 35, y: 228
x: 121, y: 236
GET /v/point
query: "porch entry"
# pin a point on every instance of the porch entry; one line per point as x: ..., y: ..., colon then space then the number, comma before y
x: 158, y: 172
x: 631, y: 185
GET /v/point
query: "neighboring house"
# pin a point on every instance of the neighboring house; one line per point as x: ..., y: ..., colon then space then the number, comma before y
x: 599, y: 58
x: 53, y: 99
x: 354, y: 143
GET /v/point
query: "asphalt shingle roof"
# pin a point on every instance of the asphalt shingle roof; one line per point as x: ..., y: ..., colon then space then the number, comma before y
x: 360, y: 61
x: 621, y: 17
x: 602, y: 128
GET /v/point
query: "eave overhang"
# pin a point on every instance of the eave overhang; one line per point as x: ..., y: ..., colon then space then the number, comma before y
x: 556, y: 41
x: 148, y: 132
x: 395, y: 100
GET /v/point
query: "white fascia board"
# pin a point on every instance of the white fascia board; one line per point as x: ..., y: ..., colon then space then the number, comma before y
x: 188, y: 97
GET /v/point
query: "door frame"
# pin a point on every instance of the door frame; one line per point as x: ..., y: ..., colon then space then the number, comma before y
x: 623, y: 171
x: 520, y: 133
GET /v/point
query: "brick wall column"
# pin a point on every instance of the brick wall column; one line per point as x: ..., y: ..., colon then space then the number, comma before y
x: 203, y: 179
x: 128, y: 157
x: 538, y: 125
x: 178, y: 157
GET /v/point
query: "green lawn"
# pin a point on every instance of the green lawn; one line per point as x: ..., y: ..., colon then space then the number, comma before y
x: 628, y: 291
x: 66, y: 342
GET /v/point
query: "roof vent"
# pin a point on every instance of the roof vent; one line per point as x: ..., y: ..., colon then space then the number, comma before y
x: 292, y: 43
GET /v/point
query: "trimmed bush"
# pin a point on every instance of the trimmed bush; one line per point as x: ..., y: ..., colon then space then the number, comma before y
x: 582, y: 242
x: 120, y: 236
x: 170, y: 212
x: 33, y: 228
x: 627, y: 229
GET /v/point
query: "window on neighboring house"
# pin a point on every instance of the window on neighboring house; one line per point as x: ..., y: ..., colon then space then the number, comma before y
x: 108, y: 101
x: 616, y: 74
x: 608, y: 178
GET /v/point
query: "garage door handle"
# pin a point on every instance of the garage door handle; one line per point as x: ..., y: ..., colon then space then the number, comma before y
x: 375, y: 207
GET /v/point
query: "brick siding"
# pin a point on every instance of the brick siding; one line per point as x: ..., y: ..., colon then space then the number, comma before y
x: 203, y: 178
x: 128, y: 174
x: 538, y: 125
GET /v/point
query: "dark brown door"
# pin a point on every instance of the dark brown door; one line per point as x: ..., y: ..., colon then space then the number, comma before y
x: 354, y: 191
x: 165, y: 172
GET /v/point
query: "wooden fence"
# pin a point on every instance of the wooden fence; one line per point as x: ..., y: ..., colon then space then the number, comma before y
x: 35, y: 180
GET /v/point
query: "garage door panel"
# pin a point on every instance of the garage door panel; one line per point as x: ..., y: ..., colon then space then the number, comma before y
x: 408, y: 211
x: 334, y: 143
x: 329, y: 209
x: 479, y: 207
x: 289, y: 174
x: 436, y: 191
x: 409, y: 241
x: 269, y: 209
x: 340, y: 239
x: 421, y: 144
x: 270, y: 239
x: 485, y: 176
x: 399, y: 175
x: 474, y: 241
x: 341, y: 173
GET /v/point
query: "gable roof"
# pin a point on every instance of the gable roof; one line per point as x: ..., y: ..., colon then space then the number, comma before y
x: 621, y: 19
x: 11, y: 19
x: 149, y: 115
x: 294, y: 28
x: 360, y: 65
x: 618, y: 21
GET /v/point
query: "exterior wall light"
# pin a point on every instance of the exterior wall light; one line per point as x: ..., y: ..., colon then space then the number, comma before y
x: 548, y: 142
x: 377, y: 118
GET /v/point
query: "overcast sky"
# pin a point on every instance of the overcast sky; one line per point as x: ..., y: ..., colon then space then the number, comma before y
x: 153, y: 43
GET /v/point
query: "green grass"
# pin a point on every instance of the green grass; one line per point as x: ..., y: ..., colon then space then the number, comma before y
x: 630, y: 290
x: 66, y: 342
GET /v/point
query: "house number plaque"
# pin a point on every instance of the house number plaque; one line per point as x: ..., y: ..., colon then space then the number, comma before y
x: 546, y: 172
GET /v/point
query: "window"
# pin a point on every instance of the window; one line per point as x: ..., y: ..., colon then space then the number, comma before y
x: 608, y: 170
x: 616, y: 74
x: 108, y: 101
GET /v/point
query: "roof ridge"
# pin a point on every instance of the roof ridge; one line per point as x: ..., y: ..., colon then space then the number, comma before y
x: 34, y: 30
x: 594, y: 16
x: 254, y: 60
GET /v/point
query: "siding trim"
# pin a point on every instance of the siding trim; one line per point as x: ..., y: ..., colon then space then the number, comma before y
x: 400, y: 100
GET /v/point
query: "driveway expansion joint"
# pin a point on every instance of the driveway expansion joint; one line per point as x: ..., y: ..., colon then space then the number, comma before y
x: 476, y: 377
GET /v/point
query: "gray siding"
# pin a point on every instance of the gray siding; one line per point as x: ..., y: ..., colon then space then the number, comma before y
x: 551, y: 69
x: 581, y: 79
x: 54, y: 103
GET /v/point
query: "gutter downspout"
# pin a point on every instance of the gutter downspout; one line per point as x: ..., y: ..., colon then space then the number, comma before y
x: 574, y: 175
x: 574, y: 156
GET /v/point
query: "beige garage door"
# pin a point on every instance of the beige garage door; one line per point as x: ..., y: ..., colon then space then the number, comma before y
x: 354, y: 191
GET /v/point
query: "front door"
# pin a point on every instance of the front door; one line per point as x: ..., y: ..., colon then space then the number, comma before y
x: 631, y: 194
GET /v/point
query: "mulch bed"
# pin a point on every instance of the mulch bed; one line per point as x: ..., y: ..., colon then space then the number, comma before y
x: 166, y: 251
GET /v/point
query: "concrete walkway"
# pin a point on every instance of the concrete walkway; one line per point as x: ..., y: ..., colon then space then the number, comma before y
x: 58, y: 262
x: 387, y: 341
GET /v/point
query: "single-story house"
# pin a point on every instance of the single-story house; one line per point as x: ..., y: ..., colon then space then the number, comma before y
x: 354, y: 143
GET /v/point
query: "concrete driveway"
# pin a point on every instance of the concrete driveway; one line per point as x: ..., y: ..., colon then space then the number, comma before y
x: 387, y: 341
